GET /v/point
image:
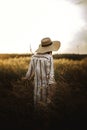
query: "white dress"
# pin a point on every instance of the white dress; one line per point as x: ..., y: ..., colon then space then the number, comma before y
x: 41, y: 67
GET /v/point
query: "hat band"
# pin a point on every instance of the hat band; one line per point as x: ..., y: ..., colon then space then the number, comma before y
x: 47, y: 45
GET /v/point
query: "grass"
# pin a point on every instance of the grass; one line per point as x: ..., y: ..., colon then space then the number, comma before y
x: 69, y: 108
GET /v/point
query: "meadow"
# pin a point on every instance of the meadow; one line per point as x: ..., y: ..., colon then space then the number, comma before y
x: 69, y: 108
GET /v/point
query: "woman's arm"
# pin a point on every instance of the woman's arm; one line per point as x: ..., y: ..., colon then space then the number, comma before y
x: 30, y: 72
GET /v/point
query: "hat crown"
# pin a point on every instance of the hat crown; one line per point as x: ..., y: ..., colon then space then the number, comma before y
x: 48, y: 45
x: 46, y: 42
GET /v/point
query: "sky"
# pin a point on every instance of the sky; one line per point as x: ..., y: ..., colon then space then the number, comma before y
x: 23, y: 23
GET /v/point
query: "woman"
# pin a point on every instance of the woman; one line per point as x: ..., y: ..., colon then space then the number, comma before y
x: 41, y: 67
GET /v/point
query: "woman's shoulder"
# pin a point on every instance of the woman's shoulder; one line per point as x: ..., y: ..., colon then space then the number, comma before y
x: 47, y: 56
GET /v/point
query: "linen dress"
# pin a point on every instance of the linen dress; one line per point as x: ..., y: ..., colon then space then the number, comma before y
x: 41, y: 67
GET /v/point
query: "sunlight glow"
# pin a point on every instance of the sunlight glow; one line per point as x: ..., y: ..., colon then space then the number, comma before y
x: 25, y: 23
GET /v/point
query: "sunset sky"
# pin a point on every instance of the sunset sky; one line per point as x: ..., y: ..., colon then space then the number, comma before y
x: 23, y: 23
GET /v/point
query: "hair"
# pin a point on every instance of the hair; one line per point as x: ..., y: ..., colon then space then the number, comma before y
x: 49, y: 52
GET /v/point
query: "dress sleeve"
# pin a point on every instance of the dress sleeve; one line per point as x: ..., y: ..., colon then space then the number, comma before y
x: 30, y: 72
x: 51, y: 76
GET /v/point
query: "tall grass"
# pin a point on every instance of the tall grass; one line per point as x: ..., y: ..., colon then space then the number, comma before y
x: 69, y: 103
x: 13, y: 67
x: 71, y: 70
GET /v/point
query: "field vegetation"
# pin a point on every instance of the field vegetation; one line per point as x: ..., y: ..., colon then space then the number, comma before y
x: 69, y: 108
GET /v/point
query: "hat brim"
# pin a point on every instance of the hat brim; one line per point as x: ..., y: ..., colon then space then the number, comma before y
x: 53, y: 47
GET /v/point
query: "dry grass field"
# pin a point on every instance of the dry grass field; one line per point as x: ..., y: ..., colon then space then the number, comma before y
x: 69, y: 108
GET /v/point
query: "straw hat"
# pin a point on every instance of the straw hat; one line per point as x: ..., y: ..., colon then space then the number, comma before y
x: 47, y: 45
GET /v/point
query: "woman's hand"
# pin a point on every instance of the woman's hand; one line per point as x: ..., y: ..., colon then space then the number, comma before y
x: 24, y: 78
